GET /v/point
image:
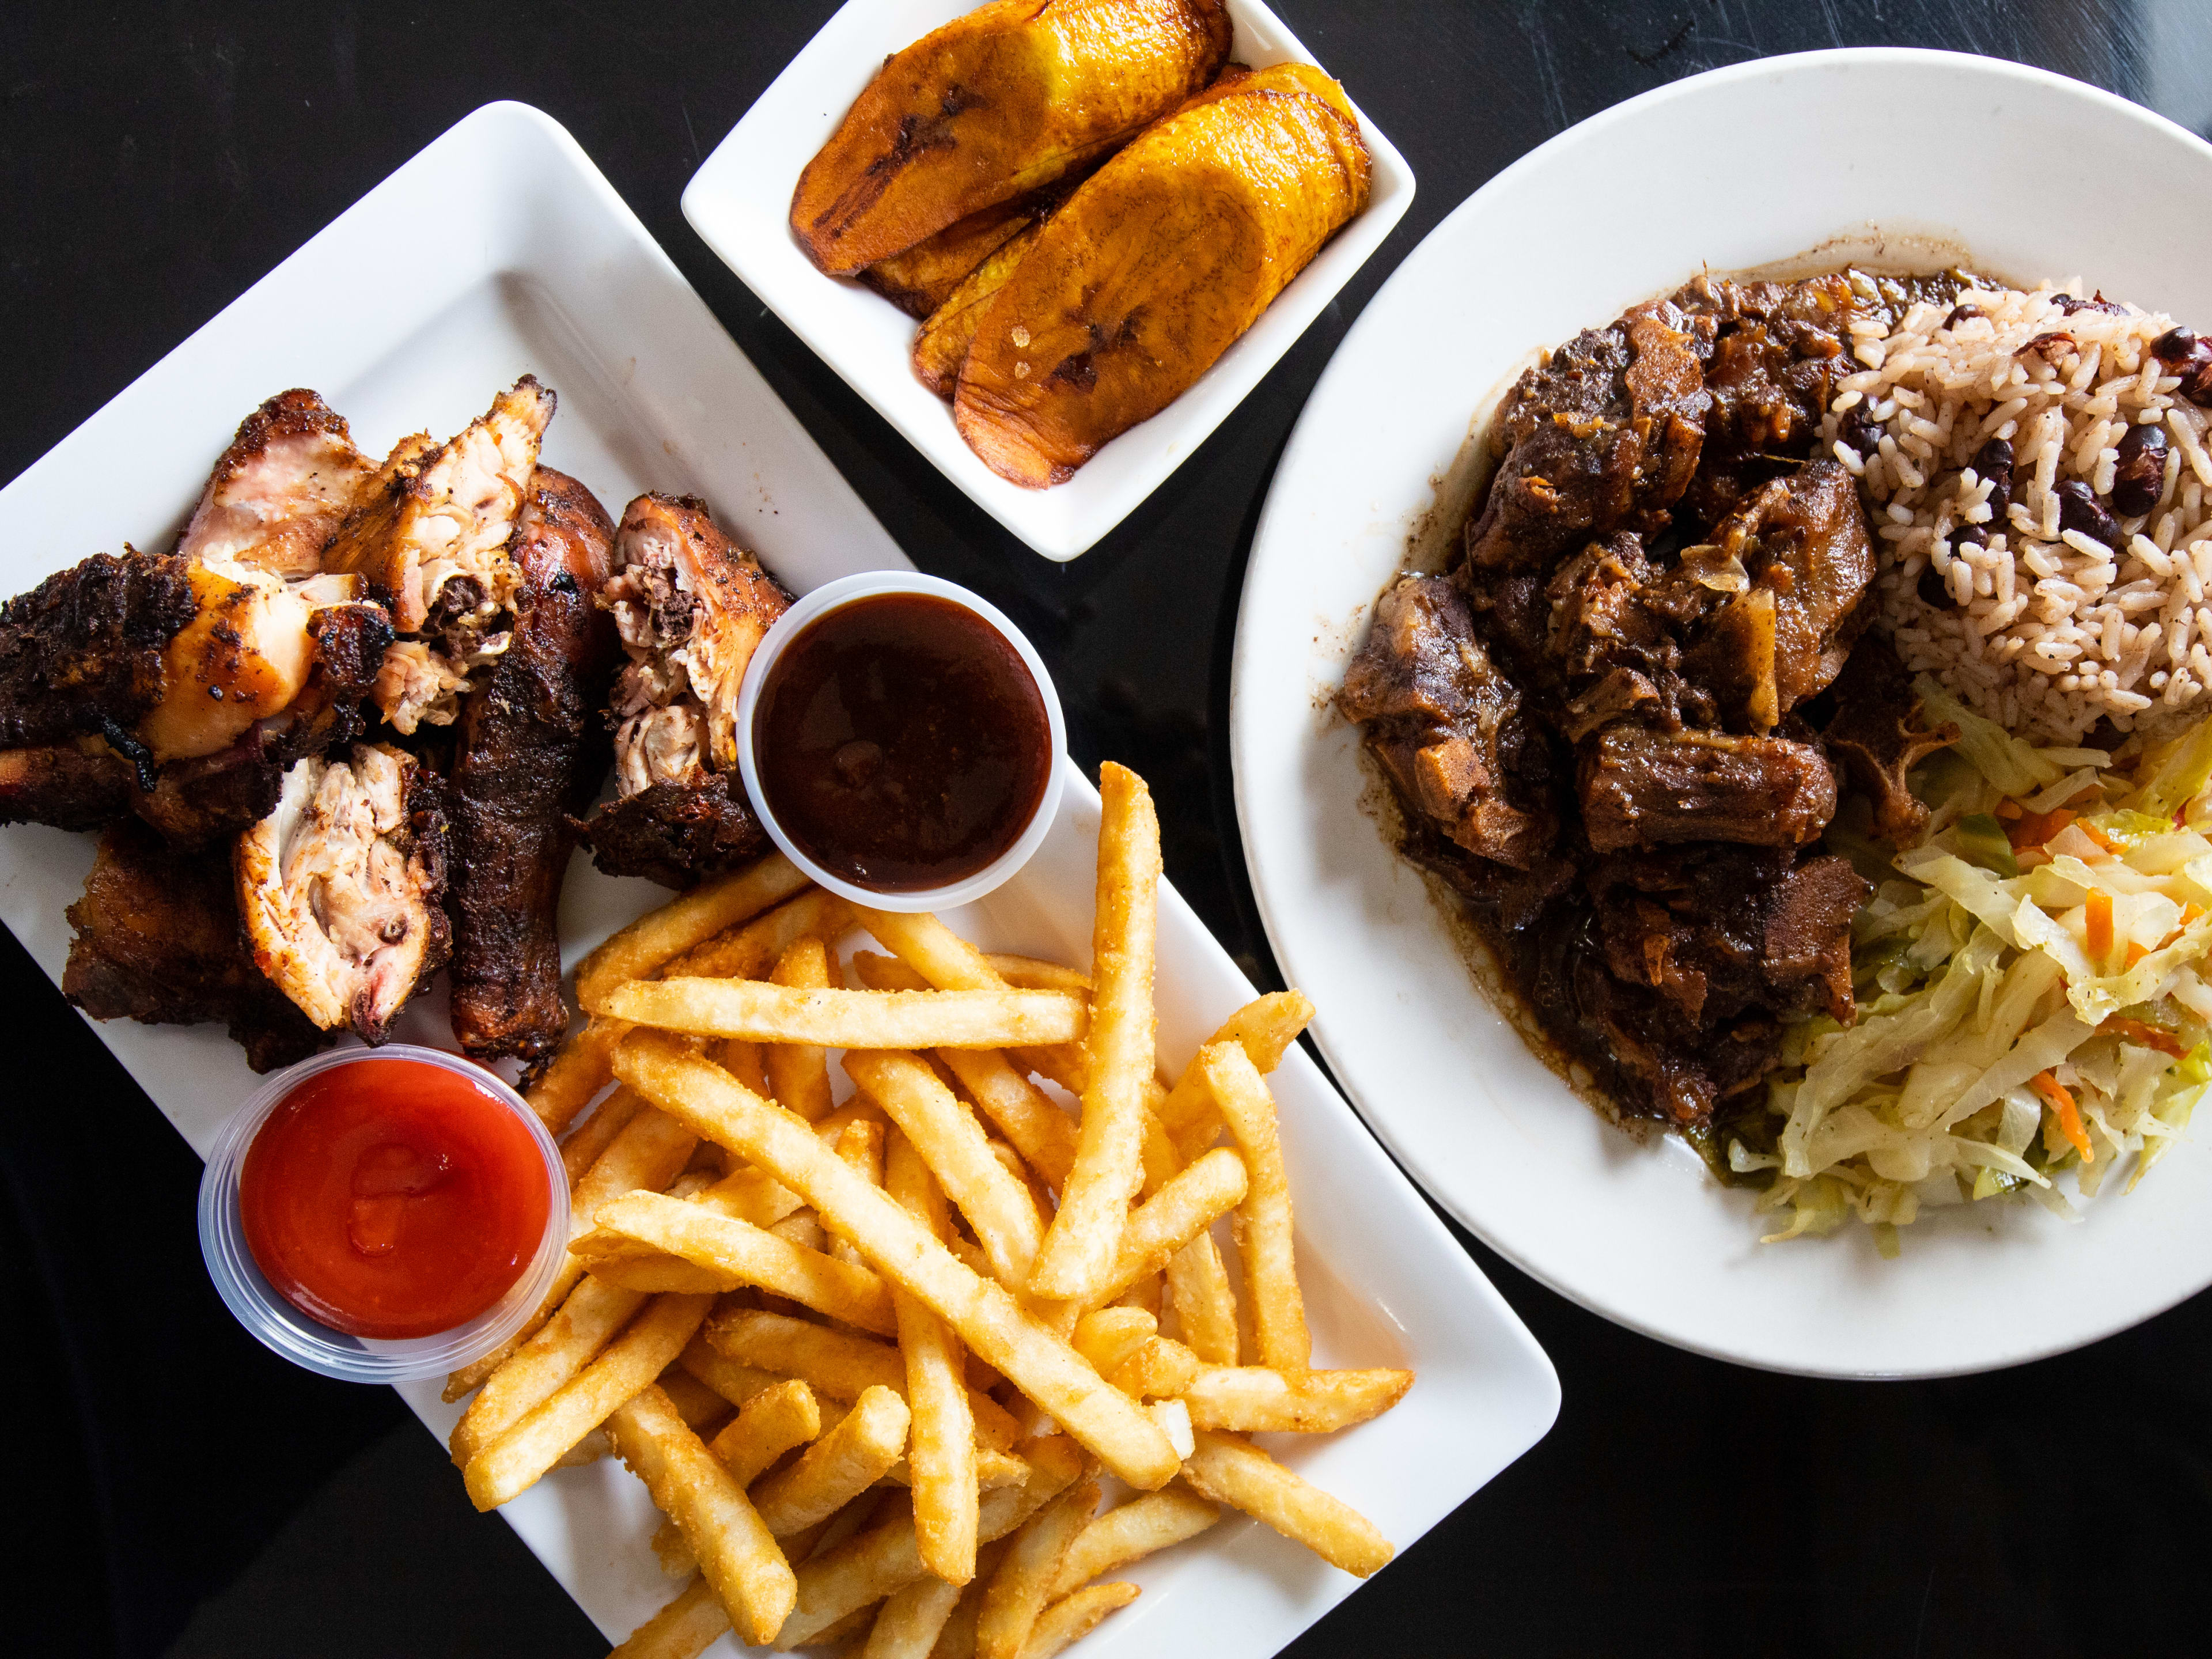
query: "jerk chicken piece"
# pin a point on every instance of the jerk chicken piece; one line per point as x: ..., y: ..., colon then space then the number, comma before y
x: 343, y: 888
x: 289, y: 479
x: 1778, y: 353
x: 429, y: 536
x: 1645, y: 789
x: 1801, y: 543
x: 530, y: 754
x: 81, y: 653
x: 181, y: 685
x: 691, y: 606
x: 158, y: 940
x: 1604, y: 435
x: 1449, y: 728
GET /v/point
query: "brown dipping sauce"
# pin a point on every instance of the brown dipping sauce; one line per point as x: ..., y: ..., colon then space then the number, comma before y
x: 901, y: 742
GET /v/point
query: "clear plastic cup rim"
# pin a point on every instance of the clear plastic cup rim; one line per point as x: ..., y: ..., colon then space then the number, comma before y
x: 869, y: 585
x: 282, y: 1327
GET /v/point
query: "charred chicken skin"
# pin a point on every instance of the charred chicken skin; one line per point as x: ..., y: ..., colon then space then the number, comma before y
x: 531, y: 750
x: 180, y: 685
x: 691, y: 606
x: 1604, y: 727
x: 343, y: 888
x: 158, y: 940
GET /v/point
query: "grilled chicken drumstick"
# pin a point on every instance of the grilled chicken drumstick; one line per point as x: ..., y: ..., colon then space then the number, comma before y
x: 691, y: 605
x: 530, y: 754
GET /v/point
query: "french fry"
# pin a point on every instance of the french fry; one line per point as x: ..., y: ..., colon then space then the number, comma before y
x: 576, y: 1073
x: 799, y: 1072
x: 513, y: 1463
x: 1263, y: 1028
x: 596, y: 1133
x: 1233, y: 1472
x: 983, y: 1313
x: 847, y: 1019
x: 649, y: 942
x: 1205, y: 1305
x: 859, y: 1147
x: 1109, y: 1336
x: 941, y: 1448
x: 1017, y: 1594
x: 766, y: 1426
x: 953, y: 1145
x: 833, y: 1363
x: 1263, y: 1218
x: 1252, y: 1399
x: 1044, y: 1135
x: 736, y: 1553
x: 1036, y: 974
x: 1174, y: 1216
x: 682, y: 1629
x: 957, y: 1639
x: 703, y: 1410
x: 750, y: 1194
x: 735, y: 1383
x: 536, y: 1371
x: 837, y: 1467
x: 751, y: 949
x: 1071, y: 1617
x: 934, y: 951
x: 911, y: 1620
x: 590, y: 1449
x: 1081, y: 1245
x: 746, y: 1061
x: 734, y: 1253
x: 1162, y: 1368
x: 1151, y: 1522
x: 887, y: 1557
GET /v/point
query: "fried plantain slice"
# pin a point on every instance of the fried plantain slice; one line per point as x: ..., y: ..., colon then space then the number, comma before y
x: 992, y: 105
x: 1155, y: 266
x: 941, y: 345
x: 920, y: 280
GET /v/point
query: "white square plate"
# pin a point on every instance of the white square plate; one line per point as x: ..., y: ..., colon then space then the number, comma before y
x: 741, y: 202
x: 565, y: 282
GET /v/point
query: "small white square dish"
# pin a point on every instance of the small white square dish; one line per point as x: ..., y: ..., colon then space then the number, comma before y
x: 563, y: 280
x: 739, y: 202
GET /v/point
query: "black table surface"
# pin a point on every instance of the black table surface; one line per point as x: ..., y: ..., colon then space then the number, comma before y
x: 189, y: 1493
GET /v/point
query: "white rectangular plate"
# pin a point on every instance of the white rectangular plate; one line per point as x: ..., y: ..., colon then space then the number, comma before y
x: 741, y: 202
x: 564, y: 281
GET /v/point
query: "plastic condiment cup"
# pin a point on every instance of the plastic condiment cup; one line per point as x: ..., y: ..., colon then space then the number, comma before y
x: 870, y: 584
x: 306, y: 1342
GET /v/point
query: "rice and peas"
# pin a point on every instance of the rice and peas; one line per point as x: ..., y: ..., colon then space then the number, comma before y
x: 2031, y: 975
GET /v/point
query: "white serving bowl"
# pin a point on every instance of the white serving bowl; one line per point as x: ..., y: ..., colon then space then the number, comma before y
x: 741, y: 202
x: 2027, y: 174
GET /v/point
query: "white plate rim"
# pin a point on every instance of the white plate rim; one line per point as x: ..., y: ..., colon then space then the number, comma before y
x: 1249, y: 700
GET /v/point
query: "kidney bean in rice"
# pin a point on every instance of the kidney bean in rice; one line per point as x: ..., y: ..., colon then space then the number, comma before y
x: 2037, y: 598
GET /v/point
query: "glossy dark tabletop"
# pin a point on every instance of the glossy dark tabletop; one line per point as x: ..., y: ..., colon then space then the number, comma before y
x: 189, y: 1493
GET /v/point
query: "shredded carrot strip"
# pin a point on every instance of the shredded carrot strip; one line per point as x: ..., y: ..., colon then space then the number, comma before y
x: 2009, y: 809
x: 2097, y: 926
x: 2136, y: 954
x: 2137, y: 1032
x: 2070, y: 1115
x: 2033, y: 829
x: 2100, y: 837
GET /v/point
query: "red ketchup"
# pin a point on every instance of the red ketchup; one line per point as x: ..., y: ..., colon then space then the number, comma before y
x: 391, y: 1199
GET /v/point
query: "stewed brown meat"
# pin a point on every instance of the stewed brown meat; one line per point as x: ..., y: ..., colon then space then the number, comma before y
x: 1609, y: 728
